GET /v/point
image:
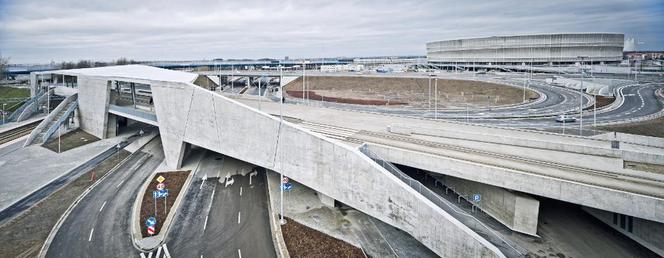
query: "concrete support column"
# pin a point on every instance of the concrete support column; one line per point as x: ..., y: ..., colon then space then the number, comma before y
x: 112, y: 126
x: 326, y: 200
x: 174, y: 150
x: 515, y: 210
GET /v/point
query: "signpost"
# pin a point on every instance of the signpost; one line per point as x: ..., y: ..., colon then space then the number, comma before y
x: 161, y: 192
x: 476, y: 198
x: 287, y: 186
x: 285, y: 180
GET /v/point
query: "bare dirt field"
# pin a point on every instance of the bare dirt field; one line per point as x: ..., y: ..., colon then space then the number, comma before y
x: 413, y: 91
x: 648, y: 128
x: 303, y: 241
x: 70, y: 140
x: 174, y: 183
x: 25, y: 235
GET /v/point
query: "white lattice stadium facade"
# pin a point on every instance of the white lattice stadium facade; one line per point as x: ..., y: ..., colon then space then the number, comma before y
x: 539, y: 49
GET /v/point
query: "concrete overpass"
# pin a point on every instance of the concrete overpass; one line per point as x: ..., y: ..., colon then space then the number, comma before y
x: 318, y: 148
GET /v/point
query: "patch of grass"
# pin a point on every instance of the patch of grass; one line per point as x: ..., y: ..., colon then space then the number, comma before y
x: 9, y: 96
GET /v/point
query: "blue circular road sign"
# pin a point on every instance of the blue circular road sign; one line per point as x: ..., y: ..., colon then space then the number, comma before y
x: 150, y: 222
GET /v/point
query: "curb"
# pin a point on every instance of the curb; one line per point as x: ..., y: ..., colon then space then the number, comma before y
x: 137, y: 238
x: 277, y: 236
x: 58, y: 224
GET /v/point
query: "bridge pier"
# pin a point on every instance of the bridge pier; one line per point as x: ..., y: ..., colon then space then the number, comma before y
x: 325, y: 200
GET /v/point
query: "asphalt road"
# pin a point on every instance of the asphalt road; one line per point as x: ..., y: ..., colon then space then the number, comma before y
x: 220, y: 221
x: 99, y: 226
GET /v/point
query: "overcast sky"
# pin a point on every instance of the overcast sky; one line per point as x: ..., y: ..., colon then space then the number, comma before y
x: 41, y: 31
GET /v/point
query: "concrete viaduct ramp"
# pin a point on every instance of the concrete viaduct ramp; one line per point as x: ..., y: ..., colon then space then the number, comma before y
x: 190, y: 114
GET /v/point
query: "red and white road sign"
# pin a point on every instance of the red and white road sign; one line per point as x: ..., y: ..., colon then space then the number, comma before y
x: 161, y: 186
x: 285, y: 180
x: 151, y: 230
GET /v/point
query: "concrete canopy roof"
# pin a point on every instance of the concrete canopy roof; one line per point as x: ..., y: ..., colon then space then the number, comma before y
x: 141, y: 72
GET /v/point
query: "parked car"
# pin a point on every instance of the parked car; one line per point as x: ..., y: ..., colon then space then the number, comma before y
x: 565, y: 119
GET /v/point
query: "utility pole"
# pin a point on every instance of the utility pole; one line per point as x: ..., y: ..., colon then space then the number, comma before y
x: 259, y: 93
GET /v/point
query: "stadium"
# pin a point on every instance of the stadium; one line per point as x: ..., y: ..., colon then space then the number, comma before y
x: 542, y: 49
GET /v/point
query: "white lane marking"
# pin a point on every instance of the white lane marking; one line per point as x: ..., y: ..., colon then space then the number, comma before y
x: 142, y: 255
x: 90, y: 237
x: 202, y: 182
x: 239, y: 253
x: 102, y: 206
x: 120, y: 183
x: 158, y: 252
x: 150, y: 255
x: 205, y: 224
x: 166, y: 252
x: 240, y: 190
x: 238, y: 217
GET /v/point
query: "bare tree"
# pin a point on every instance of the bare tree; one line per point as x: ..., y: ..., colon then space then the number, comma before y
x: 4, y: 61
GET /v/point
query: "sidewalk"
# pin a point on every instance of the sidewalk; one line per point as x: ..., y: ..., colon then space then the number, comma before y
x: 28, y: 169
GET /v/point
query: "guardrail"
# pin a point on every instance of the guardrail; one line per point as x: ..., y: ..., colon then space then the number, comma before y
x: 508, y: 248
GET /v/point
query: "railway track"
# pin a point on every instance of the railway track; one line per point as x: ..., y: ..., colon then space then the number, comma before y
x: 18, y: 132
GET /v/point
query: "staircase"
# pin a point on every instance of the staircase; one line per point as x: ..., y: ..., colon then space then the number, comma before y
x: 52, y: 122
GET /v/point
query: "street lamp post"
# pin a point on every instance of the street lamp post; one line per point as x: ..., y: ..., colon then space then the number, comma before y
x: 281, y: 121
x: 435, y: 99
x: 3, y: 112
x: 581, y: 97
x: 429, y: 93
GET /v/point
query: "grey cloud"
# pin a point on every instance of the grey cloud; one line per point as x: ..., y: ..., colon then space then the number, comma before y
x: 40, y: 31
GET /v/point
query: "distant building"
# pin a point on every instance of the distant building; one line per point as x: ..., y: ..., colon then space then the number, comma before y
x: 540, y: 49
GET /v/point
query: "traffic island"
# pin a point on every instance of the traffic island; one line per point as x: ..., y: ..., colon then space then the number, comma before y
x: 156, y: 203
x: 159, y: 202
x: 303, y: 241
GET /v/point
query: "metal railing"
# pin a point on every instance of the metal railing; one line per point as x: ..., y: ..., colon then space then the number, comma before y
x: 508, y: 248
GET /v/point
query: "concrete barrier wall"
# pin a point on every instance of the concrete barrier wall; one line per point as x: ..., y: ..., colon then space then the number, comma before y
x: 633, y: 138
x: 517, y: 211
x: 220, y: 124
x: 574, y: 155
x: 584, y: 194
